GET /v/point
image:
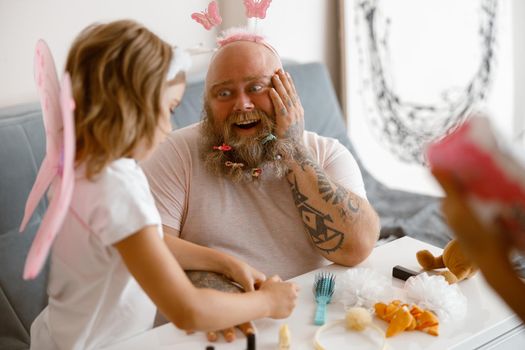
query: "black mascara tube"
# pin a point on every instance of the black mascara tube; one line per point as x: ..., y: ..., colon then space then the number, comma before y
x: 403, y: 273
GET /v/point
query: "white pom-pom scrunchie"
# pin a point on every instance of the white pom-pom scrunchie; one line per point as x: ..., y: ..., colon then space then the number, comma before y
x: 358, y: 319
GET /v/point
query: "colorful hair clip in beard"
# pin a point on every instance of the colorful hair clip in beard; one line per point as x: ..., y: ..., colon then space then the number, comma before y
x: 233, y: 165
x: 224, y: 147
x: 268, y: 138
x: 256, y: 172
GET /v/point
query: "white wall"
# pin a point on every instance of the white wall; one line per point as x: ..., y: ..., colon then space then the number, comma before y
x: 303, y: 37
x: 22, y: 22
x: 519, y: 69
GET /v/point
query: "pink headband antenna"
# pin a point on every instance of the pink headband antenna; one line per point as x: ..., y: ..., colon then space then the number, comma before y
x: 211, y: 17
x: 256, y: 9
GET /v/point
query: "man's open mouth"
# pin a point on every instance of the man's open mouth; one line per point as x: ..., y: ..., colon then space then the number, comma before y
x: 248, y: 124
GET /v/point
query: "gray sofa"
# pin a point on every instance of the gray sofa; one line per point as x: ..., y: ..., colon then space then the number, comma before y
x: 22, y: 145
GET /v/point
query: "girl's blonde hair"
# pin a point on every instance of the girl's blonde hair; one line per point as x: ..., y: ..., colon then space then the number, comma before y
x: 118, y: 72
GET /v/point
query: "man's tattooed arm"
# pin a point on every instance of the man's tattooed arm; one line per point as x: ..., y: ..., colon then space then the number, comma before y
x: 332, y: 193
x: 343, y: 226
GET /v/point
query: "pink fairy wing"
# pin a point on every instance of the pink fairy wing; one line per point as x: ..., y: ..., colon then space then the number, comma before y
x: 43, y: 179
x: 68, y: 106
x: 63, y: 185
x: 59, y: 203
x: 48, y: 89
x: 210, y: 17
x: 256, y: 9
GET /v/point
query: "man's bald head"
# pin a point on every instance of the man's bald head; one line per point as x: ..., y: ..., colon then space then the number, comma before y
x: 248, y: 57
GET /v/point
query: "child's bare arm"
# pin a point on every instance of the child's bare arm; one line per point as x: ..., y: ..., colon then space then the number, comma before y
x: 192, y: 256
x: 485, y: 244
x: 506, y: 282
x: 154, y: 267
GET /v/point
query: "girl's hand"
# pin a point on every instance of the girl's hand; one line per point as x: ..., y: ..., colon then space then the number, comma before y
x: 486, y: 245
x: 289, y: 113
x: 242, y: 273
x: 207, y: 279
x: 282, y: 296
x: 247, y: 277
x: 512, y: 222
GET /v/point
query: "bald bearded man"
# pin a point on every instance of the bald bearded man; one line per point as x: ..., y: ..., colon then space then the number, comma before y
x: 250, y: 181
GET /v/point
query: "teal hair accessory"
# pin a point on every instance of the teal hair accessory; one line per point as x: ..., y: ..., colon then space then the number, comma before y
x: 268, y: 138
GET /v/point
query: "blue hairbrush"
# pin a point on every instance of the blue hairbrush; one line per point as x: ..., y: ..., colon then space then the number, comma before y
x: 323, y: 289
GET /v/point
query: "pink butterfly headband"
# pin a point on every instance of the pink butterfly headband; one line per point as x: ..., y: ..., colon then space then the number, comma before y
x: 211, y: 17
x: 243, y: 34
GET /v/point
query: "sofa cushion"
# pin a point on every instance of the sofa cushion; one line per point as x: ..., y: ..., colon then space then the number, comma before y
x: 21, y: 152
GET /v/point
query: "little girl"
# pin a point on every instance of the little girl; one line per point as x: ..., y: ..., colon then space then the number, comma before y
x: 110, y: 267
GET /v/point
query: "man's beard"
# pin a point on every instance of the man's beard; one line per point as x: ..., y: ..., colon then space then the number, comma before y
x: 250, y: 151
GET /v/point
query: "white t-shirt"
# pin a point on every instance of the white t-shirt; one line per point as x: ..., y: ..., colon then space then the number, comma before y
x: 93, y: 299
x: 257, y: 222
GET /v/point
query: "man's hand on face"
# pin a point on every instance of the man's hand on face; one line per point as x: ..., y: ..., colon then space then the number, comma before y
x: 289, y: 113
x: 213, y: 280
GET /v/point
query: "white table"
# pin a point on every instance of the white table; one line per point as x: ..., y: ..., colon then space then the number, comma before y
x: 489, y: 323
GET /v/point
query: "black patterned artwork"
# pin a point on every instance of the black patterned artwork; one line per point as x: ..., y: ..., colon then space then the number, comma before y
x: 404, y: 123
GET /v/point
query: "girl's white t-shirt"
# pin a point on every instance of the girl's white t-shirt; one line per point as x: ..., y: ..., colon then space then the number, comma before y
x: 93, y: 300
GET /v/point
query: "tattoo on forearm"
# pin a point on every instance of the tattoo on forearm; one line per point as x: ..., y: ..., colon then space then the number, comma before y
x: 213, y: 280
x: 349, y: 204
x: 317, y: 224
